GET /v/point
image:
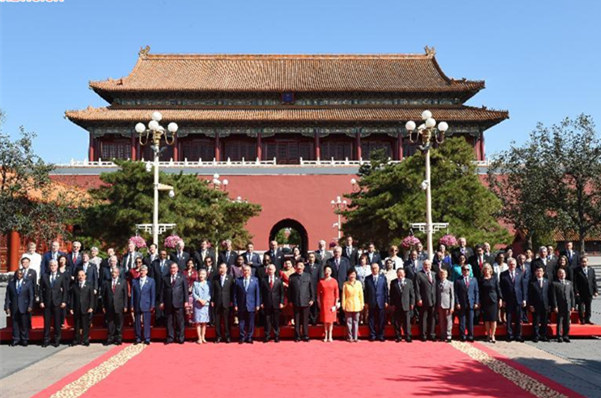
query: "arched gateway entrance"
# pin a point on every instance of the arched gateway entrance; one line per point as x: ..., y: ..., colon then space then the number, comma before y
x: 290, y: 232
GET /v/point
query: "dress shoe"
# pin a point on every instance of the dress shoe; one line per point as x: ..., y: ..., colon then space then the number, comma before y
x: 423, y: 338
x: 44, y: 344
x: 509, y: 339
x: 535, y: 340
x: 228, y: 340
x: 56, y: 344
x: 566, y: 339
x: 14, y: 344
x: 409, y: 340
x: 218, y: 340
x: 448, y: 340
x: 589, y: 323
x: 296, y: 339
x: 276, y: 340
x: 559, y: 340
x: 75, y: 343
x: 86, y: 344
x: 24, y: 343
x: 382, y: 339
x: 107, y: 343
x: 520, y: 339
x: 470, y: 339
x: 462, y: 339
x: 180, y: 342
x: 138, y: 342
x: 168, y: 342
x: 545, y: 339
x: 266, y: 340
x: 147, y: 342
x: 397, y: 339
x: 241, y: 342
x: 372, y: 339
x: 306, y: 339
x: 118, y: 343
x: 249, y: 342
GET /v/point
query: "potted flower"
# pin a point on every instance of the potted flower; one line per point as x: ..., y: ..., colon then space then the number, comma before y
x: 171, y: 241
x: 138, y: 241
x: 409, y: 242
x: 448, y: 240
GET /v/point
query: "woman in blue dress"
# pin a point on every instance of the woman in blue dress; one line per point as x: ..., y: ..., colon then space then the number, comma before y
x: 202, y: 299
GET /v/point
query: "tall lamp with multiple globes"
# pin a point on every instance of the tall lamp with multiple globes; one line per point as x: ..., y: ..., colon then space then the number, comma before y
x: 426, y: 133
x: 154, y: 133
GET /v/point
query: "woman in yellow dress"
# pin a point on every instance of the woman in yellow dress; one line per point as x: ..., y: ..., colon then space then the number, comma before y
x: 352, y: 304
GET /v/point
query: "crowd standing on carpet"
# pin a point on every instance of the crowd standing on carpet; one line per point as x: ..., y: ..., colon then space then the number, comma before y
x: 348, y: 285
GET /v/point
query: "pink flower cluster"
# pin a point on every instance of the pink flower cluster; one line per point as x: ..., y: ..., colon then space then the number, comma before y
x: 171, y: 241
x: 448, y: 240
x: 138, y: 241
x: 409, y: 241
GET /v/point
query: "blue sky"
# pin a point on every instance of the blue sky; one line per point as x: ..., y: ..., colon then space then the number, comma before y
x: 540, y: 60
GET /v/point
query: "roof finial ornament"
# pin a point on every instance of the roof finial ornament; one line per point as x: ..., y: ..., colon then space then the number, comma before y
x: 144, y: 51
x: 430, y: 51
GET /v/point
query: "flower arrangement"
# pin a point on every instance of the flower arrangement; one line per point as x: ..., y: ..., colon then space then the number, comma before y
x: 138, y: 241
x: 171, y: 241
x: 448, y: 240
x: 409, y: 241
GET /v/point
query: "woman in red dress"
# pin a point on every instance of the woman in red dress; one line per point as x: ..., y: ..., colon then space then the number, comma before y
x: 328, y: 299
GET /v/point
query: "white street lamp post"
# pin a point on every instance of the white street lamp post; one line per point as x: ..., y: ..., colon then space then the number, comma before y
x: 338, y: 205
x: 155, y: 133
x: 426, y: 132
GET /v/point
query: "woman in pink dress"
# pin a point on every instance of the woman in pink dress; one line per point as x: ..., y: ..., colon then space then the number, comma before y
x: 328, y: 299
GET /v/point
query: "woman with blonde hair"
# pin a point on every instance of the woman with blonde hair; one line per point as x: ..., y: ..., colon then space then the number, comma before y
x: 352, y: 304
x: 491, y: 300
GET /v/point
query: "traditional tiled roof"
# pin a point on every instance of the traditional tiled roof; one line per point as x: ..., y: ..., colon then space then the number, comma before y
x: 281, y: 73
x: 287, y: 114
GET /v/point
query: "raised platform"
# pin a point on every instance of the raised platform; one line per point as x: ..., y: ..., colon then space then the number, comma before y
x: 99, y: 331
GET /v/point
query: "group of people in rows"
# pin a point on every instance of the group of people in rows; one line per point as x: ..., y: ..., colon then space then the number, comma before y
x: 346, y: 285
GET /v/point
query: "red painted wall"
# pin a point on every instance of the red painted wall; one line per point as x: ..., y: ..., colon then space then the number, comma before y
x: 304, y: 198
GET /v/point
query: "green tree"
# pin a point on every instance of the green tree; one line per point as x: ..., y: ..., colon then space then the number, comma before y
x: 126, y: 199
x: 30, y: 203
x: 553, y: 181
x: 390, y: 198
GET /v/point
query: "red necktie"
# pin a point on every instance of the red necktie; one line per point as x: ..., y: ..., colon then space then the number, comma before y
x: 114, y: 286
x: 271, y: 283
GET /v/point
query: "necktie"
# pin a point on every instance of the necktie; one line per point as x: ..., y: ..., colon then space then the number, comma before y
x: 467, y: 282
x: 19, y: 287
x: 271, y: 282
x: 142, y: 281
x: 337, y: 264
x: 512, y: 276
x: 540, y: 283
x: 52, y: 279
x: 376, y: 281
x: 74, y: 257
x: 81, y: 285
x: 429, y: 277
x: 481, y: 264
x: 222, y: 280
x: 245, y: 284
x: 54, y: 256
x: 114, y: 284
x: 172, y: 280
x: 401, y: 285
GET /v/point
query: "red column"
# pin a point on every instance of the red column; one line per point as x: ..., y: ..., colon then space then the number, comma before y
x: 358, y: 145
x: 91, y: 154
x: 482, y: 155
x: 400, y: 146
x: 259, y: 147
x: 217, y: 148
x: 175, y: 149
x: 14, y: 246
x: 133, y: 147
x: 317, y: 148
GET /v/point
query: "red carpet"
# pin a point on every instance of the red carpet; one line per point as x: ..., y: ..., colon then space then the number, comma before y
x: 303, y: 370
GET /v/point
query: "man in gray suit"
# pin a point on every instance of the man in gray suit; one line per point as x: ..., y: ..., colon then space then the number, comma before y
x: 402, y: 298
x: 425, y: 291
x: 445, y: 301
x: 563, y: 302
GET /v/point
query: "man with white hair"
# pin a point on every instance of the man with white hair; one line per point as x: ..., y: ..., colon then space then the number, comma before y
x: 75, y: 259
x: 53, y: 254
x: 228, y: 255
x: 179, y: 256
x: 54, y: 296
x: 322, y: 253
x: 129, y: 259
x: 543, y: 262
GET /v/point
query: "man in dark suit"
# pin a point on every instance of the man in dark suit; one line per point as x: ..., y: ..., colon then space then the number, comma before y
x: 152, y: 255
x: 31, y: 276
x: 340, y: 268
x: 18, y: 303
x: 402, y: 298
x: 53, y: 254
x: 372, y: 255
x: 143, y: 294
x: 563, y: 302
x: 315, y: 269
x: 158, y: 272
x: 478, y: 260
x: 585, y: 284
x: 462, y: 249
x: 425, y: 292
x: 179, y: 256
x: 174, y: 300
x: 539, y: 300
x: 75, y: 258
x: 221, y: 301
x: 54, y: 296
x: 467, y: 299
x: 202, y: 253
x: 302, y: 297
x: 247, y: 301
x: 91, y: 276
x: 228, y: 256
x: 543, y: 261
x: 82, y: 305
x: 114, y: 298
x: 250, y: 257
x: 272, y: 292
x: 276, y: 254
x: 322, y: 254
x: 413, y: 265
x: 350, y: 252
x: 514, y: 288
x: 572, y: 255
x: 376, y: 301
